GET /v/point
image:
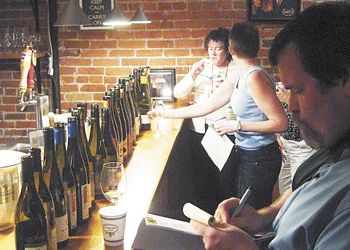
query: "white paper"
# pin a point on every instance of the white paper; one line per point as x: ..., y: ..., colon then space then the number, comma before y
x: 218, y: 147
x: 168, y: 223
x: 199, y: 124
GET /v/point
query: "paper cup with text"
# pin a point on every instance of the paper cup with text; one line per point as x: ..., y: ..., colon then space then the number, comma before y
x: 113, y: 224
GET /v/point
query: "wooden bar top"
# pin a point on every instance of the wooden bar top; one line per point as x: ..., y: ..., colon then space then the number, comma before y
x: 143, y: 173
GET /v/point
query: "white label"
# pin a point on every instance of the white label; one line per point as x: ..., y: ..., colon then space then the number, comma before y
x: 53, y: 240
x: 85, y: 201
x: 71, y: 199
x: 145, y: 119
x: 92, y: 183
x: 42, y: 247
x: 62, y: 228
x: 89, y: 194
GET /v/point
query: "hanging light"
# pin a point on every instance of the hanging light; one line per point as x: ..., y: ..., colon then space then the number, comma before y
x: 73, y: 15
x: 140, y: 17
x: 116, y: 17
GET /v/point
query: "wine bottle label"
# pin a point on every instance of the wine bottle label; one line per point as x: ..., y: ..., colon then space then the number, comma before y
x: 92, y: 183
x: 125, y: 147
x: 137, y: 125
x: 62, y: 228
x: 89, y: 193
x: 71, y: 198
x: 85, y: 202
x: 51, y: 225
x: 53, y: 238
x: 35, y: 246
x: 145, y: 119
x: 120, y: 152
x: 8, y: 190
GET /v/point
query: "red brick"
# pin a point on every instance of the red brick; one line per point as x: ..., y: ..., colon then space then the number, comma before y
x: 7, y: 107
x: 188, y: 43
x: 67, y: 79
x: 162, y: 6
x: 92, y: 35
x: 15, y: 116
x: 94, y: 53
x: 90, y: 71
x: 131, y: 44
x: 67, y: 70
x: 16, y: 132
x: 26, y: 124
x: 75, y: 62
x: 162, y: 62
x: 72, y: 44
x: 134, y: 61
x: 103, y: 44
x: 160, y: 44
x: 149, y: 53
x: 121, y: 52
x: 176, y: 52
x: 187, y: 61
x: 95, y: 79
x: 82, y: 79
x: 69, y: 88
x: 70, y: 52
x: 105, y: 62
x: 177, y: 34
x: 78, y: 97
x: 93, y: 88
x: 143, y: 34
x: 127, y: 34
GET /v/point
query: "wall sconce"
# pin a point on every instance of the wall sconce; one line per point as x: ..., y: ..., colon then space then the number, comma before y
x: 140, y: 17
x: 72, y: 15
x: 116, y: 17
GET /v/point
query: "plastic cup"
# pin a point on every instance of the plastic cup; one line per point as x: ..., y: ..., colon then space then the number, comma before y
x: 113, y: 225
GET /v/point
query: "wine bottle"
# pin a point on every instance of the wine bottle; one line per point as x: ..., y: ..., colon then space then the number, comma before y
x: 30, y: 221
x: 134, y: 108
x: 124, y: 121
x: 119, y: 116
x: 131, y: 108
x: 67, y: 176
x: 76, y: 162
x: 57, y: 191
x: 46, y: 198
x: 111, y: 152
x: 145, y: 98
x: 107, y: 104
x: 134, y: 93
x: 126, y: 106
x: 87, y: 153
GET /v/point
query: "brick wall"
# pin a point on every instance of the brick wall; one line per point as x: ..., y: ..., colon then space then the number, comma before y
x: 92, y: 60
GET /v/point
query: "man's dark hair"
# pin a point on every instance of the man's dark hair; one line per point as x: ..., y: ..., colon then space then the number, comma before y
x: 245, y: 39
x: 321, y: 35
x: 219, y: 35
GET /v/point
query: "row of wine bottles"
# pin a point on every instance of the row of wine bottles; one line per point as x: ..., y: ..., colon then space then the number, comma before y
x: 57, y: 196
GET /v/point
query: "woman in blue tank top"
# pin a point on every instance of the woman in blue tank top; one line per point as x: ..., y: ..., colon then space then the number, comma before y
x: 251, y: 93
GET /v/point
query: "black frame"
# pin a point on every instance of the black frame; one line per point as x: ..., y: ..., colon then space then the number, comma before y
x: 162, y: 78
x: 268, y: 10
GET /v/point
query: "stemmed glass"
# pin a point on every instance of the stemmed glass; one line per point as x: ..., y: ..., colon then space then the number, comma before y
x: 158, y: 105
x: 113, y: 181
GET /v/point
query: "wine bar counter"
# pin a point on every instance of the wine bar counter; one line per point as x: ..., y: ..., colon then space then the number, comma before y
x: 143, y: 173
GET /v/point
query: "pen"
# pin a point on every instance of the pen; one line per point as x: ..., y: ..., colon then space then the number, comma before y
x: 242, y: 202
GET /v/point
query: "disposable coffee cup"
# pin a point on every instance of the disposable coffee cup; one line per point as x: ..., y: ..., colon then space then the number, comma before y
x: 113, y: 225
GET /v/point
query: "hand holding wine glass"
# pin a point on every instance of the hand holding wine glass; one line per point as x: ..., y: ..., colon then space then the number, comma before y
x: 113, y: 181
x: 158, y: 107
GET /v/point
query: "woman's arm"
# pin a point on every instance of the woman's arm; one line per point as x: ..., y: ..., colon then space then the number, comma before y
x: 183, y: 88
x: 218, y: 99
x: 264, y: 95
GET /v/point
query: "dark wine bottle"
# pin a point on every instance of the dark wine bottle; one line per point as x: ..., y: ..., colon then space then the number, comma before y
x: 88, y: 157
x: 94, y: 143
x: 111, y: 152
x: 127, y: 109
x: 66, y: 172
x: 125, y: 124
x: 145, y: 98
x: 129, y: 95
x: 119, y: 116
x: 30, y: 221
x: 76, y: 162
x: 133, y: 89
x: 57, y: 191
x: 46, y: 198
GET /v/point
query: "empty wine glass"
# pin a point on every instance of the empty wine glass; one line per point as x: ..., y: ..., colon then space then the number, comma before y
x: 158, y: 105
x: 113, y: 181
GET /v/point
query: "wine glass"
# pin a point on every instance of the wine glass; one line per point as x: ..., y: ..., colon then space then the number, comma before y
x: 158, y: 105
x: 113, y: 181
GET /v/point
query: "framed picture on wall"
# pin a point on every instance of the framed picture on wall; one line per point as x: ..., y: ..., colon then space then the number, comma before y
x: 162, y: 84
x: 96, y: 11
x: 279, y: 10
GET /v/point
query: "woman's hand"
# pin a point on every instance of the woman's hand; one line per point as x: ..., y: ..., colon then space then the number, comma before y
x: 154, y: 113
x: 225, y: 126
x: 197, y: 68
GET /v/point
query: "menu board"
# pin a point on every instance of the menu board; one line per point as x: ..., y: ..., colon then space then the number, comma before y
x: 96, y: 11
